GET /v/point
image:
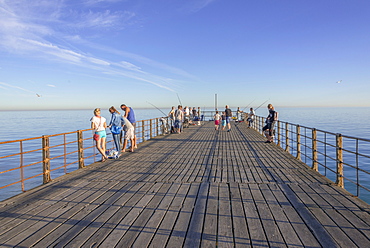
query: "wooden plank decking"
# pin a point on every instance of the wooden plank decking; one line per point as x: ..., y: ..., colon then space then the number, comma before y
x: 201, y: 188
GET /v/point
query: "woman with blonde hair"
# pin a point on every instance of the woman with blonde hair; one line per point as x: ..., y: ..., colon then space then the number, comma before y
x: 98, y: 123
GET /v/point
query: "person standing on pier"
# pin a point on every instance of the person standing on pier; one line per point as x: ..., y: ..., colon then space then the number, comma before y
x: 239, y: 114
x: 223, y: 120
x: 115, y: 126
x: 129, y: 134
x: 99, y: 124
x: 199, y: 112
x: 228, y: 114
x: 251, y: 117
x: 217, y: 118
x: 130, y: 115
x: 179, y: 117
x: 270, y: 122
x: 171, y: 115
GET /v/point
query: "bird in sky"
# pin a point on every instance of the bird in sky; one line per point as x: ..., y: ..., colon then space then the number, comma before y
x: 338, y: 82
x: 38, y: 95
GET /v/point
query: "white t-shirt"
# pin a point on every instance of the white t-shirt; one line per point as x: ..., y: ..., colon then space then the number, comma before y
x: 99, y: 123
x: 252, y: 114
x: 127, y: 124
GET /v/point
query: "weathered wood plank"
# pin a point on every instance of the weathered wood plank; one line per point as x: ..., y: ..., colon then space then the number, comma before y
x: 194, y: 233
x: 240, y: 227
x: 180, y: 228
x: 164, y: 231
x: 145, y: 236
x: 209, y: 234
x: 255, y: 227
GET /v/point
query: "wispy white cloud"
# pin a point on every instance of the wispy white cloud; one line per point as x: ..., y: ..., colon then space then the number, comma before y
x: 8, y: 86
x: 128, y: 66
x: 51, y: 85
x: 195, y: 5
x: 95, y: 2
x: 40, y: 28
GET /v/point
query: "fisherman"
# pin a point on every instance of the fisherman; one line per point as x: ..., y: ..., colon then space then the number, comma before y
x: 268, y: 129
x: 251, y: 117
x: 179, y: 117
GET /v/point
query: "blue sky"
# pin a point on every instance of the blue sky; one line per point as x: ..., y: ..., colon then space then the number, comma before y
x: 98, y: 53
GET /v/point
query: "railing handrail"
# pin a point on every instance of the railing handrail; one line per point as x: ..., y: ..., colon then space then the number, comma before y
x: 323, y: 152
x: 145, y: 129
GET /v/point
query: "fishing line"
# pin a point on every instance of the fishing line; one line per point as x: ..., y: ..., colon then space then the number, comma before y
x: 262, y: 104
x: 179, y: 99
x: 157, y: 108
x: 249, y: 104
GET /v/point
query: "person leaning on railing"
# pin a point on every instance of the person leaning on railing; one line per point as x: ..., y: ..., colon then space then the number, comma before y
x: 98, y: 123
x: 270, y: 122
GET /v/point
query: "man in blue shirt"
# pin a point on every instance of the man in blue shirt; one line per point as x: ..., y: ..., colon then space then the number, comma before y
x: 130, y: 115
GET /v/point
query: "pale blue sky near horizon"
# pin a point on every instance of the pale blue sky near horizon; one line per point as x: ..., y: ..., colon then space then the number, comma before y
x: 98, y: 53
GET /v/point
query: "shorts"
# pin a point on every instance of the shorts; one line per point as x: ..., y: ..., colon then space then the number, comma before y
x: 270, y: 127
x: 223, y: 122
x: 102, y: 134
x: 217, y: 122
x: 228, y: 118
x: 177, y: 124
x: 129, y: 134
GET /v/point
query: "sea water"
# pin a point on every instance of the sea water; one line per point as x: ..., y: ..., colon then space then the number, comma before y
x: 28, y: 124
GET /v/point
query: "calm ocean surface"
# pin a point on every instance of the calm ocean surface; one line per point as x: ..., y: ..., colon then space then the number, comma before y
x: 27, y: 124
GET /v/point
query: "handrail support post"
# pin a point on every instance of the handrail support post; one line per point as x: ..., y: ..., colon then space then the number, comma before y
x: 46, y: 159
x: 339, y: 145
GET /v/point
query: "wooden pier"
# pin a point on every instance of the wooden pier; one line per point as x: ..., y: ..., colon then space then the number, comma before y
x: 200, y: 188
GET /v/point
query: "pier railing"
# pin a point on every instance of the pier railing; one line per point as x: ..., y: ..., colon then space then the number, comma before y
x: 27, y: 163
x: 345, y: 160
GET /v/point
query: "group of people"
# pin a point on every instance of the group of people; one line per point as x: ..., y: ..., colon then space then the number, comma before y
x: 223, y: 120
x: 121, y: 127
x: 184, y: 116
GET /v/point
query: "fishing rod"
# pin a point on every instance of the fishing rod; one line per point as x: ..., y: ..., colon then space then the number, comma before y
x: 157, y: 108
x: 249, y: 104
x: 179, y: 98
x: 262, y: 104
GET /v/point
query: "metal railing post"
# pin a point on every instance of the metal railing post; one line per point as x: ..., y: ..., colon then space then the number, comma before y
x: 151, y: 128
x: 81, y: 161
x: 278, y: 133
x: 286, y: 137
x: 339, y: 148
x: 143, y: 130
x: 21, y: 164
x: 46, y: 159
x: 158, y: 127
x: 315, y: 164
x: 298, y: 131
